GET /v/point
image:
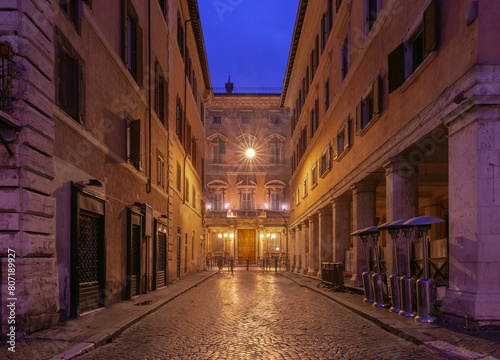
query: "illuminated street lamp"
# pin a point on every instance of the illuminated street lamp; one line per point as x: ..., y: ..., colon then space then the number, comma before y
x: 250, y: 153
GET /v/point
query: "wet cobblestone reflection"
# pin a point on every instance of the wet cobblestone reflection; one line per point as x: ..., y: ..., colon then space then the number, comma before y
x: 254, y: 315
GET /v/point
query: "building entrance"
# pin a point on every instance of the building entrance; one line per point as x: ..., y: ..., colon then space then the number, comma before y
x: 246, y: 245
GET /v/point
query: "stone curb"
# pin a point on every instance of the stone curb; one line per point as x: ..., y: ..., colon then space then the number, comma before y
x: 444, y: 348
x: 108, y: 335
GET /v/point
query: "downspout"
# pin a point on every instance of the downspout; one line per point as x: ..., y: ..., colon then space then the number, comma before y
x: 185, y: 108
x: 148, y: 188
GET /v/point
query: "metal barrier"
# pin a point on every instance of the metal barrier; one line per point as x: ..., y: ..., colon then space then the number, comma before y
x: 332, y: 276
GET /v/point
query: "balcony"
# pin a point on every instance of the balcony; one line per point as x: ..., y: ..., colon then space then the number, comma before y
x: 245, y: 214
x: 7, y: 74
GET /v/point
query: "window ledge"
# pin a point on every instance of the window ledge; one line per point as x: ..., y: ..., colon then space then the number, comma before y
x: 419, y: 70
x: 369, y: 125
x: 304, y: 196
x: 314, y: 186
x: 341, y: 156
x: 326, y: 173
x: 9, y: 120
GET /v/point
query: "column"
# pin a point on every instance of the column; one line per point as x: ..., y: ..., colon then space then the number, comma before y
x: 401, y: 189
x: 325, y: 236
x: 291, y: 248
x: 298, y: 249
x: 313, y: 246
x: 474, y: 216
x: 305, y: 243
x: 341, y: 227
x: 363, y: 203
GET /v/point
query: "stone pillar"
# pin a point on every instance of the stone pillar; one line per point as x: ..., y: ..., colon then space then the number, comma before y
x: 291, y: 248
x: 299, y: 249
x: 401, y: 203
x: 363, y: 202
x: 27, y: 206
x: 305, y: 244
x: 313, y: 246
x: 325, y: 236
x: 341, y: 227
x: 474, y: 215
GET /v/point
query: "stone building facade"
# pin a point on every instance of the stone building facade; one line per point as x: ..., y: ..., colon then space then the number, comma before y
x: 247, y: 196
x: 100, y: 176
x: 395, y: 114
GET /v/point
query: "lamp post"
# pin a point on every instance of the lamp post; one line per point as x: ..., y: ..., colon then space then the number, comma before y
x: 426, y: 288
x: 366, y: 275
x: 286, y: 231
x: 394, y: 229
x: 378, y: 280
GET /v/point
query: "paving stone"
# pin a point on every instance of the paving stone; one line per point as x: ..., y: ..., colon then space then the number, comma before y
x: 254, y: 315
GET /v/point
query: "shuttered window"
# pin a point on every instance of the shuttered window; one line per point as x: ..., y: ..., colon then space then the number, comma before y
x: 396, y: 60
x: 132, y: 42
x: 135, y: 141
x: 409, y: 55
x: 70, y: 90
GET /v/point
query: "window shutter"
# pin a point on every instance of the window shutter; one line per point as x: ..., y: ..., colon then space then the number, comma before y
x: 139, y: 56
x: 124, y: 30
x: 342, y: 62
x: 328, y: 157
x: 81, y: 92
x: 222, y: 146
x: 377, y: 97
x: 165, y: 102
x: 430, y: 28
x: 396, y: 62
x: 316, y: 52
x: 346, y: 129
x: 323, y: 37
x: 359, y: 117
x: 335, y: 150
x: 330, y: 15
x: 136, y: 144
x: 71, y: 73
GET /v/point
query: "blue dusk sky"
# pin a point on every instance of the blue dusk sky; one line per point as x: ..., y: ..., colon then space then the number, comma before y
x: 248, y: 39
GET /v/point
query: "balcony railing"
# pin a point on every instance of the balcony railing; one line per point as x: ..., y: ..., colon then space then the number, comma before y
x: 243, y: 213
x: 248, y: 90
x: 7, y: 73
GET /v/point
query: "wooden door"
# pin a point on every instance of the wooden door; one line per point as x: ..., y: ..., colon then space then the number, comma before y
x: 246, y: 244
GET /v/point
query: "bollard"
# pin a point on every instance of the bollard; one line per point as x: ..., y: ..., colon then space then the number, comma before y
x: 248, y: 263
x: 276, y: 265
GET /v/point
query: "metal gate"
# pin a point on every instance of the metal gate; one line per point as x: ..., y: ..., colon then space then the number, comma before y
x: 135, y: 266
x: 179, y: 243
x: 90, y: 261
x: 161, y: 271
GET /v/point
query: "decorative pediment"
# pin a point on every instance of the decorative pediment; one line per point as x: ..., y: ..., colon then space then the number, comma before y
x: 216, y: 185
x: 274, y: 137
x: 275, y: 185
x: 216, y: 136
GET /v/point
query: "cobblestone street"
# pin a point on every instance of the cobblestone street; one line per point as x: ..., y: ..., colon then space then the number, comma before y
x: 254, y: 315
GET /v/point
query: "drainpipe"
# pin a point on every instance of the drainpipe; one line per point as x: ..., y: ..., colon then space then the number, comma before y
x: 148, y: 188
x: 185, y: 107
